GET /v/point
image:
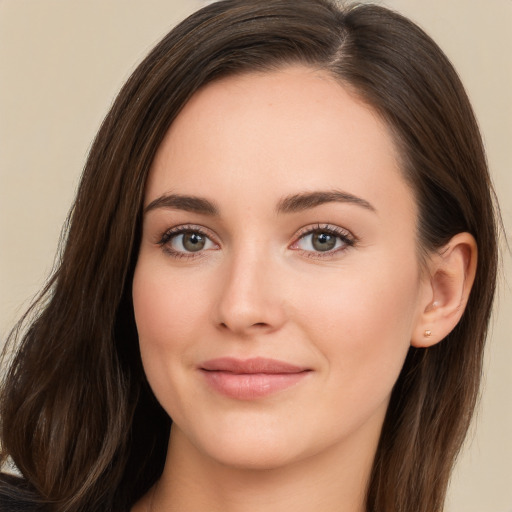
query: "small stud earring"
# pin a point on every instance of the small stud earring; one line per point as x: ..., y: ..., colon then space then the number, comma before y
x: 428, y: 333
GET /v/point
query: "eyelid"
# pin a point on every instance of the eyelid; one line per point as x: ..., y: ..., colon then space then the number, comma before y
x: 345, y: 235
x: 332, y: 228
x: 174, y: 231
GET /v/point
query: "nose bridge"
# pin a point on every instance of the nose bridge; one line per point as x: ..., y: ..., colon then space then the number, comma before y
x: 250, y: 294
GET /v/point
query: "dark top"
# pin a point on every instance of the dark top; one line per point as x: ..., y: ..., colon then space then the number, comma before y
x: 15, y: 495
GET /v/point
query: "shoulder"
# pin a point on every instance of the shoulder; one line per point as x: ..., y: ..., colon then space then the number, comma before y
x: 14, y: 495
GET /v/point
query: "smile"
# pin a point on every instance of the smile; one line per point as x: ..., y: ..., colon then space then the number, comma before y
x: 251, y: 379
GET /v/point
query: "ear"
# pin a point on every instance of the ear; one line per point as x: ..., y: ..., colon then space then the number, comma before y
x: 451, y: 272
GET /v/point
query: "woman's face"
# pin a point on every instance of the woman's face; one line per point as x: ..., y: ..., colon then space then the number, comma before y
x: 277, y: 284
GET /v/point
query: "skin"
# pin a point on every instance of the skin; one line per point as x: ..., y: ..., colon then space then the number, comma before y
x: 259, y: 288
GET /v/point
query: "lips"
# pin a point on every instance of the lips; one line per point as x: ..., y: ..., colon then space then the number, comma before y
x: 250, y: 379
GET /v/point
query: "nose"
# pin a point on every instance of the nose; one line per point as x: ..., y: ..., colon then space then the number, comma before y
x: 251, y: 299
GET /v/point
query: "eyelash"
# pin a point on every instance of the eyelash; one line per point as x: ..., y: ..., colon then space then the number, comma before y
x: 168, y: 235
x: 347, y: 239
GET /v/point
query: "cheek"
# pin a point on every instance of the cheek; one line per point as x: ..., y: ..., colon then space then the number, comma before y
x: 168, y: 315
x: 362, y: 320
x: 362, y: 327
x: 163, y: 308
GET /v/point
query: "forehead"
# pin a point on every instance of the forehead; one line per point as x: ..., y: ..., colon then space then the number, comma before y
x: 275, y: 134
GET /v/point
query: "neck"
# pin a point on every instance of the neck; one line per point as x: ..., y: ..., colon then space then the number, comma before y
x: 333, y: 480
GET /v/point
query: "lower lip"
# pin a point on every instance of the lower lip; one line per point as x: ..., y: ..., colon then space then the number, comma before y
x: 250, y: 386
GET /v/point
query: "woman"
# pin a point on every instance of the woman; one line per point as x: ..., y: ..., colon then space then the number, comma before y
x: 284, y: 240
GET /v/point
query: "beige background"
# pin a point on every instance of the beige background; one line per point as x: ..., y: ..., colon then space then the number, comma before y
x: 61, y: 64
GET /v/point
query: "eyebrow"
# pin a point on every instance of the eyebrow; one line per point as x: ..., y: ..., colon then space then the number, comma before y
x: 307, y: 200
x: 290, y: 204
x: 187, y: 203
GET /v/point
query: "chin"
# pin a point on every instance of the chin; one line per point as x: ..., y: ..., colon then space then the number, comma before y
x: 264, y: 456
x: 247, y: 447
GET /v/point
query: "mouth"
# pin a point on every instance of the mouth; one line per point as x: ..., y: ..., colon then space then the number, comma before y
x: 251, y: 379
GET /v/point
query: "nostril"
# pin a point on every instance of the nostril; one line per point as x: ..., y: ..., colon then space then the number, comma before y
x: 258, y: 325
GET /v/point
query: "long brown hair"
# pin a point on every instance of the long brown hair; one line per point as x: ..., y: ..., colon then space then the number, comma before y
x: 77, y: 415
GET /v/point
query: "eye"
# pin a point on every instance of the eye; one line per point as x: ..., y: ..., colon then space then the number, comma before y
x: 185, y: 241
x: 327, y: 239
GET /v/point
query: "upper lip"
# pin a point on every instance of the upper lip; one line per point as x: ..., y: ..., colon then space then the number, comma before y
x: 253, y: 365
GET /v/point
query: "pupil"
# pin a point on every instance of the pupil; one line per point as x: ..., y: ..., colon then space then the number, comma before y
x: 193, y: 241
x: 323, y: 241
